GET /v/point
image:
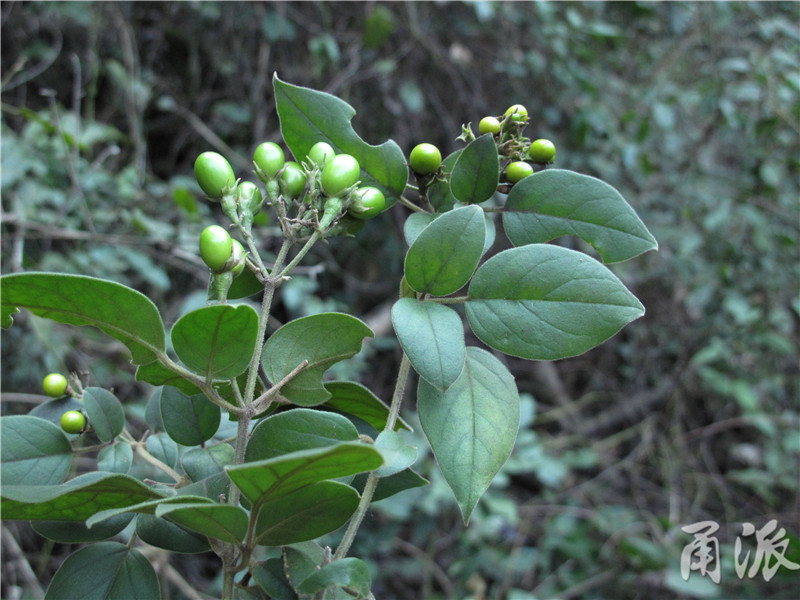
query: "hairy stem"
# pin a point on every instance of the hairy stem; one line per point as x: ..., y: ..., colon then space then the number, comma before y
x: 372, y: 479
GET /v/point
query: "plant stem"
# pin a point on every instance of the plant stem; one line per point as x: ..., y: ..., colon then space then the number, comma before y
x: 372, y: 479
x: 303, y: 251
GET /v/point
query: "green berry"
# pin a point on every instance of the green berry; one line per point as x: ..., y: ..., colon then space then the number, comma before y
x: 54, y: 385
x: 366, y: 203
x: 517, y: 113
x: 269, y: 158
x: 542, y: 151
x: 425, y: 159
x: 339, y: 173
x: 517, y: 171
x: 320, y: 153
x: 489, y: 125
x: 293, y: 179
x: 216, y: 246
x: 73, y: 421
x: 214, y: 173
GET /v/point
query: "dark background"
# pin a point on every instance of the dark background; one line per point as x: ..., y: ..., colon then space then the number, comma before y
x: 691, y: 110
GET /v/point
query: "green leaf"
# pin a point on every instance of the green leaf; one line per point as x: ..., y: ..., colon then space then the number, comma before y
x: 546, y: 302
x: 557, y: 202
x: 272, y: 478
x: 270, y: 577
x: 476, y: 173
x: 165, y: 449
x: 394, y: 484
x: 219, y: 521
x: 297, y: 429
x: 244, y: 285
x: 472, y: 425
x: 348, y: 573
x: 200, y: 463
x: 117, y: 310
x: 157, y: 374
x: 188, y: 420
x: 116, y: 458
x: 75, y: 532
x: 170, y: 536
x: 432, y: 336
x: 305, y: 514
x: 444, y: 255
x: 146, y: 507
x: 308, y: 116
x: 76, y: 500
x: 322, y: 340
x: 105, y: 413
x: 414, y: 225
x: 216, y: 341
x: 34, y: 452
x: 397, y: 454
x: 439, y: 193
x: 104, y: 571
x: 358, y: 401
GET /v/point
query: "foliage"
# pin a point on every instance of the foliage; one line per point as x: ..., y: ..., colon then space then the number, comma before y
x: 534, y: 301
x: 690, y: 110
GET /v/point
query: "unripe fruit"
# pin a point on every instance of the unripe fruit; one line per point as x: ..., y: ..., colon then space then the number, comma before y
x: 425, y: 159
x: 237, y: 258
x: 517, y: 171
x: 517, y: 112
x: 542, y: 151
x: 214, y: 173
x: 339, y: 173
x: 54, y: 385
x: 269, y: 158
x: 293, y: 179
x: 320, y: 153
x: 73, y: 421
x: 367, y: 202
x: 489, y: 125
x: 216, y: 246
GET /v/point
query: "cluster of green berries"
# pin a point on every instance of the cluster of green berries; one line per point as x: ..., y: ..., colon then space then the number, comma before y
x: 539, y: 151
x: 55, y: 385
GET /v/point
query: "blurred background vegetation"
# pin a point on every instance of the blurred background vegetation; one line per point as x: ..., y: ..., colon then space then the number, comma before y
x: 691, y: 110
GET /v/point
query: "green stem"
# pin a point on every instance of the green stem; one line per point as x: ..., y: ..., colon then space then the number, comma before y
x: 450, y: 300
x: 303, y: 251
x: 372, y: 479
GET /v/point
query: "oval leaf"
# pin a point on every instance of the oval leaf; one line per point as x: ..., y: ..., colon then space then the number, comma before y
x: 105, y: 413
x: 558, y: 202
x: 397, y: 454
x: 472, y: 425
x: 545, y: 302
x: 34, y: 452
x: 309, y: 116
x: 117, y: 310
x: 350, y: 573
x: 103, y: 571
x: 432, y: 336
x: 188, y: 420
x: 305, y: 514
x: 200, y: 463
x: 219, y: 521
x: 358, y: 401
x: 444, y: 255
x: 272, y: 478
x: 298, y: 429
x: 116, y: 458
x: 477, y: 171
x: 169, y: 536
x: 216, y: 341
x: 76, y: 500
x: 322, y: 340
x: 75, y: 532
